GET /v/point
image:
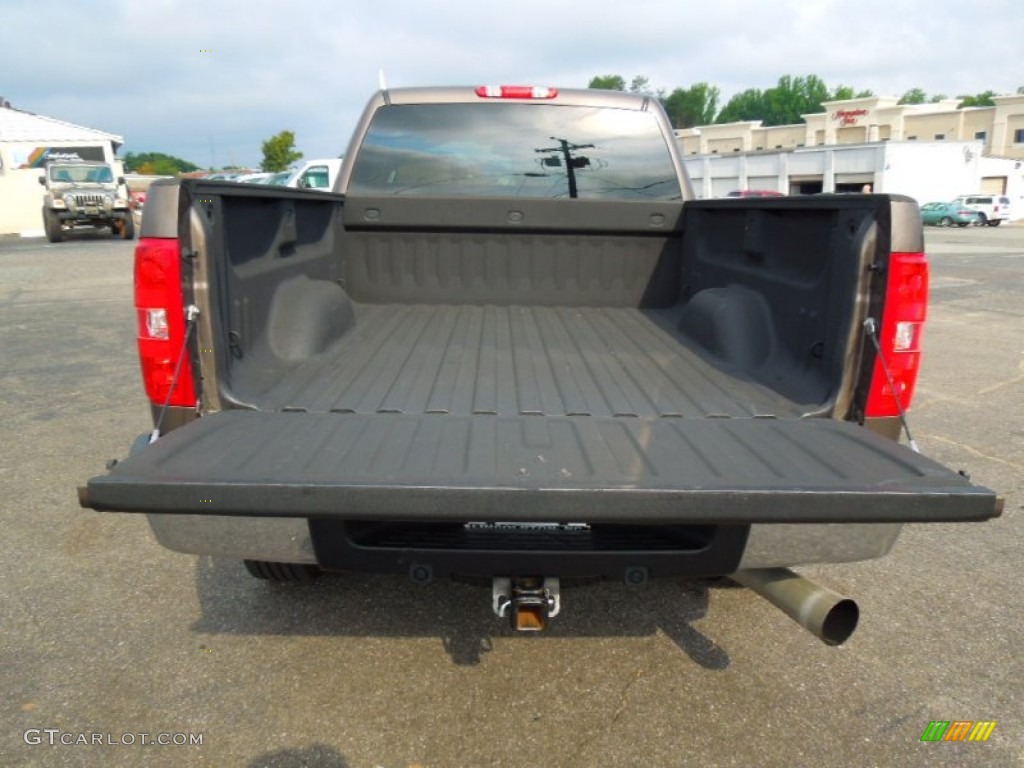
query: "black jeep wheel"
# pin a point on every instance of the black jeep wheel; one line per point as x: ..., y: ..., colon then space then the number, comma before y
x: 128, y: 226
x: 283, y: 572
x: 51, y: 224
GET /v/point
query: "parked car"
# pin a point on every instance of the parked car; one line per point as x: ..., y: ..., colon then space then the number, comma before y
x: 84, y: 194
x: 136, y: 199
x: 948, y: 214
x: 278, y: 179
x: 755, y: 193
x: 254, y: 178
x: 992, y: 209
x: 316, y: 174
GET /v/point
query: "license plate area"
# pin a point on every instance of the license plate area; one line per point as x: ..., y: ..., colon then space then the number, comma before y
x: 575, y: 550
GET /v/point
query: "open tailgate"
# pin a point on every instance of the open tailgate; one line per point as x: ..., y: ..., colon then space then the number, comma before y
x: 440, y: 467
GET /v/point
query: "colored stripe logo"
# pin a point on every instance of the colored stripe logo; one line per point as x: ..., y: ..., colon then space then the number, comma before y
x: 958, y: 730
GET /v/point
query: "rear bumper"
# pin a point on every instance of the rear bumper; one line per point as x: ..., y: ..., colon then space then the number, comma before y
x: 288, y: 540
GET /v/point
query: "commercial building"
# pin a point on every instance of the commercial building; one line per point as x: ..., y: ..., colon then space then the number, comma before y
x: 1000, y: 129
x: 927, y: 151
x: 27, y: 142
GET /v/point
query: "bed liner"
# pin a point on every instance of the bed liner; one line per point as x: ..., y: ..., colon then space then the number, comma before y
x: 517, y: 360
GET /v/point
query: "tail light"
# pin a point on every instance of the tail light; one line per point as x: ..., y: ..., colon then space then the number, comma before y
x: 906, y: 303
x: 160, y: 311
x: 515, y: 92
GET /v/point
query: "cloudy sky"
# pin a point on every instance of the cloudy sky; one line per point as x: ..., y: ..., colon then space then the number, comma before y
x: 209, y: 80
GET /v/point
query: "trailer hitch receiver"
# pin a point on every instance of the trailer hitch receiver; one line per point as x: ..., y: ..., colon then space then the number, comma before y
x: 527, y: 601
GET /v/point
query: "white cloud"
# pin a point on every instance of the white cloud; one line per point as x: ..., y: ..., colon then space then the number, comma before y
x: 139, y: 68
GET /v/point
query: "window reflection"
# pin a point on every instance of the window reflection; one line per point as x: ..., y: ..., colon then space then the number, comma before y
x: 515, y: 150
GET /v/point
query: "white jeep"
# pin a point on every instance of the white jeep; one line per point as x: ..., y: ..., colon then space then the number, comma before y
x: 85, y: 194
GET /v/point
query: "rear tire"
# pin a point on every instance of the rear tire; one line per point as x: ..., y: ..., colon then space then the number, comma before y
x: 283, y: 573
x: 994, y: 222
x: 128, y: 227
x: 51, y: 224
x: 945, y: 221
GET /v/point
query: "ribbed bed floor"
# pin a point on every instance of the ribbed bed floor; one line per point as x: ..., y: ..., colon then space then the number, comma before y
x: 552, y: 361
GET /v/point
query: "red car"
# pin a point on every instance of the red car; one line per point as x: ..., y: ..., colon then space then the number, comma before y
x: 754, y: 193
x: 136, y: 200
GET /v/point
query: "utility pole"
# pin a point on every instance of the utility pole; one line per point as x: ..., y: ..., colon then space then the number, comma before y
x: 566, y: 149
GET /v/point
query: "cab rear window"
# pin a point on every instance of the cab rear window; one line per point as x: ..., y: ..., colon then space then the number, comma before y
x: 515, y: 150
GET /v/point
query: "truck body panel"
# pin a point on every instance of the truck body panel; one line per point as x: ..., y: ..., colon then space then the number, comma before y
x: 510, y: 378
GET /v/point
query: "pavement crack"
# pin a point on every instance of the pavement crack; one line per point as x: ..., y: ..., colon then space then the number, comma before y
x: 974, y: 451
x: 624, y: 693
x: 1001, y: 384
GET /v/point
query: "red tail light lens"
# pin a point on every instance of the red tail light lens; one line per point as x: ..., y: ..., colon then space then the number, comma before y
x: 160, y: 312
x: 906, y: 305
x: 515, y: 92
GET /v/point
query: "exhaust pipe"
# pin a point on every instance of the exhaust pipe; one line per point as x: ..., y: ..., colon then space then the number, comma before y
x: 828, y: 615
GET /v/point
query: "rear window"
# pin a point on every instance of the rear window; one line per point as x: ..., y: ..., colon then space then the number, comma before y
x: 515, y: 150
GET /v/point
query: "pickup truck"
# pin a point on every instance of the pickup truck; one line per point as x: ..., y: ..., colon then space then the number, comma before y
x: 316, y: 174
x: 513, y: 346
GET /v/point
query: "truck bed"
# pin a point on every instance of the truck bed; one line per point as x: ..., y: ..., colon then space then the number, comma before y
x: 418, y: 362
x: 529, y: 361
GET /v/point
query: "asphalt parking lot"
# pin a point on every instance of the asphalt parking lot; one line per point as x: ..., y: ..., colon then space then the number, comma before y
x: 104, y: 632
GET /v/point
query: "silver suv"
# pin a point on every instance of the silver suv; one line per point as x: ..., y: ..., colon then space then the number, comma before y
x: 992, y: 209
x: 85, y: 194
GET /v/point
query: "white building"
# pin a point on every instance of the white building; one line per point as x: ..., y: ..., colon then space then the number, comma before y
x: 27, y: 141
x: 931, y: 152
x: 999, y: 128
x: 926, y: 171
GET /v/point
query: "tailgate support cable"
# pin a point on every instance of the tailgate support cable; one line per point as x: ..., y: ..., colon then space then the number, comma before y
x: 872, y: 330
x: 191, y: 315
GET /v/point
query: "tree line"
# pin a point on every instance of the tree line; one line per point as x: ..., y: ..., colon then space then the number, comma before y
x: 278, y: 154
x: 782, y: 104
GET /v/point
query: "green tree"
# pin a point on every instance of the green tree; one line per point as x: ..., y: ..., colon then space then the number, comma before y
x: 156, y: 163
x: 608, y: 83
x: 745, y: 105
x: 640, y: 84
x: 696, y: 105
x: 783, y: 104
x: 913, y: 96
x: 279, y: 152
x: 979, y: 100
x: 794, y: 97
x: 918, y: 96
x: 843, y: 92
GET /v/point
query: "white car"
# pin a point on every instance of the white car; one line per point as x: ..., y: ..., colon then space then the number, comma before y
x: 992, y: 209
x: 255, y: 178
x: 317, y: 174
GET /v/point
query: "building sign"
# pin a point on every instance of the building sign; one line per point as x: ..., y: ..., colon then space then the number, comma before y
x: 848, y: 116
x: 40, y: 156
